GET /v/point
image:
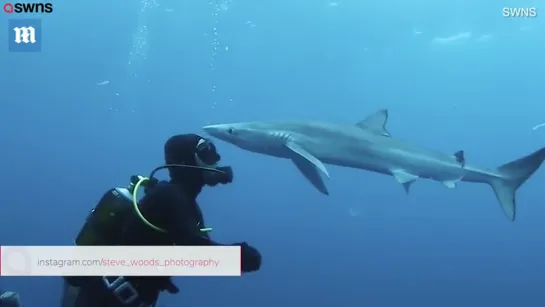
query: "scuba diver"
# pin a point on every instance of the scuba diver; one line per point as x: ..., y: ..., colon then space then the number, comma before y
x: 9, y: 299
x: 167, y: 214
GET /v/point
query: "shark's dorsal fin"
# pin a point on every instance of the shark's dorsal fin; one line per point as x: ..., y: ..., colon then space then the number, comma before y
x: 376, y: 122
x: 300, y: 151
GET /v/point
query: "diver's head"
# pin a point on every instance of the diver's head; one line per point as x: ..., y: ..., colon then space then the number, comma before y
x: 206, y: 156
x: 194, y: 150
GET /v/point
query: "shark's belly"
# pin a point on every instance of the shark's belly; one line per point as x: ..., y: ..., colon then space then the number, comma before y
x: 366, y: 163
x: 422, y: 164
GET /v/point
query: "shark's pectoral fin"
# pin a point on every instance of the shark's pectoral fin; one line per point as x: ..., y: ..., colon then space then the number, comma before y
x: 309, y: 165
x: 310, y: 172
x: 300, y: 151
x: 405, y: 178
x: 376, y: 122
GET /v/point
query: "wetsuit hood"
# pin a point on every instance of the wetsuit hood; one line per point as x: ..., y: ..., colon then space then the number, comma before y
x: 181, y: 149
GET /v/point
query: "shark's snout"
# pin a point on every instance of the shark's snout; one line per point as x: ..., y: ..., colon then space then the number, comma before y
x: 222, y: 132
x: 212, y: 129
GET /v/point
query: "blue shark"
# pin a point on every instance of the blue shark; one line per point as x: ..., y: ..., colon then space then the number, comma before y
x: 368, y: 145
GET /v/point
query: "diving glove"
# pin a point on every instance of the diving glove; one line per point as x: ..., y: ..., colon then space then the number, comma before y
x: 250, y: 257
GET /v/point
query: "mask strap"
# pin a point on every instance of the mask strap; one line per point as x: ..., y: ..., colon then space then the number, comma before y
x: 203, y: 144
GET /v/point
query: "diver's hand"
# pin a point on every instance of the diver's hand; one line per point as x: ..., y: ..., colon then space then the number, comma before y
x: 251, y: 258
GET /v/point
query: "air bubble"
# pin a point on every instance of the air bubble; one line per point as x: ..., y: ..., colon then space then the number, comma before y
x: 218, y: 7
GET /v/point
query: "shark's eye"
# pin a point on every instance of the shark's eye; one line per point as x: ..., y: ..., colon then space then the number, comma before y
x: 231, y: 130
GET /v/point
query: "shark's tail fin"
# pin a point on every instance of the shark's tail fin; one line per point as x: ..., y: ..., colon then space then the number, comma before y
x: 513, y: 175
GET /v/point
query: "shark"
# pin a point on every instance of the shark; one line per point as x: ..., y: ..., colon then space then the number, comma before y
x: 368, y: 145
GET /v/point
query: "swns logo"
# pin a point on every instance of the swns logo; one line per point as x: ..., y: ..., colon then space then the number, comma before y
x: 44, y: 8
x: 519, y: 12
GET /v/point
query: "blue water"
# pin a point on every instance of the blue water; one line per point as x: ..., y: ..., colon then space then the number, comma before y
x: 454, y: 75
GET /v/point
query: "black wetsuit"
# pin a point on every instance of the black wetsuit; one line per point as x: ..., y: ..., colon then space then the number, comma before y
x: 171, y: 206
x: 9, y: 299
x: 166, y: 206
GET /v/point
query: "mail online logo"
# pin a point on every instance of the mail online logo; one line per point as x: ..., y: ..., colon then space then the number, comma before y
x: 43, y: 8
x: 25, y: 35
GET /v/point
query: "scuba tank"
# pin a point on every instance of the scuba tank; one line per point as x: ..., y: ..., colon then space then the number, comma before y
x: 106, y: 221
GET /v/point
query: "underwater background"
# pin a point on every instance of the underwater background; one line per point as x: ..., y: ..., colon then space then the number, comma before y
x: 115, y: 79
